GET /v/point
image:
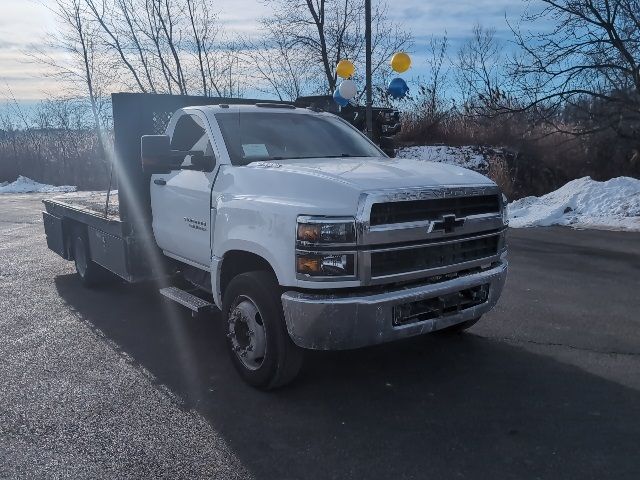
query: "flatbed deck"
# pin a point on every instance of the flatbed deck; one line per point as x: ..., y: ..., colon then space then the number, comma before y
x: 92, y: 202
x: 112, y: 242
x: 89, y: 208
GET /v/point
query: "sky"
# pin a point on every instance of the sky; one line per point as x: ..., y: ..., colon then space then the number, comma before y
x: 24, y: 24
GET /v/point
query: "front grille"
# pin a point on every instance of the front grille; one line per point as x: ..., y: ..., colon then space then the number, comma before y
x: 432, y: 256
x: 432, y: 209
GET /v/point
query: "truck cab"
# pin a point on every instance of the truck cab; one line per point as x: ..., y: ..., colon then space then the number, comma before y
x: 305, y: 235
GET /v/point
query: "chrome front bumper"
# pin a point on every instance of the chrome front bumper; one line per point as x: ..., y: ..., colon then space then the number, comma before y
x: 340, y: 322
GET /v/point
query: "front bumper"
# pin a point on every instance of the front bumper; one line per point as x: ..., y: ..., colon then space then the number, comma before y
x: 341, y: 322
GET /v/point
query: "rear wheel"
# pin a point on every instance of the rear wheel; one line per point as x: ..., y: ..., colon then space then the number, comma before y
x: 460, y: 327
x: 257, y: 338
x: 89, y: 272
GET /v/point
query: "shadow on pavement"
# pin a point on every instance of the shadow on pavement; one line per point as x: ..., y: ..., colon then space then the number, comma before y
x: 436, y: 407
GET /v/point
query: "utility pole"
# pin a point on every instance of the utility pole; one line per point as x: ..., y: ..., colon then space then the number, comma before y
x: 369, y: 96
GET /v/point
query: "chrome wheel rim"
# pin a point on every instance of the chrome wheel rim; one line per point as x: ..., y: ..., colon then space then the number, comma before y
x: 246, y: 333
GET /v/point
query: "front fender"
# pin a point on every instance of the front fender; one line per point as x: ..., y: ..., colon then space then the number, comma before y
x: 262, y: 227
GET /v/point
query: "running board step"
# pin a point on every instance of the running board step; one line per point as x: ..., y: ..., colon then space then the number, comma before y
x: 193, y: 303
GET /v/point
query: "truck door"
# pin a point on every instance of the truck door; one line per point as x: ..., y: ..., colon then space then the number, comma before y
x: 181, y: 199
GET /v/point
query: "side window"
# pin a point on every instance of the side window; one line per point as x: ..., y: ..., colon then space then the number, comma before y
x: 190, y: 135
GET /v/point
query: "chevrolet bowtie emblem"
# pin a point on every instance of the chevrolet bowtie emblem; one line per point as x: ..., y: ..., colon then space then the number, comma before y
x: 447, y: 225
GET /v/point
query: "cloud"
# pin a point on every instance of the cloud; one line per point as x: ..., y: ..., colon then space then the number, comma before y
x: 456, y: 18
x: 25, y: 22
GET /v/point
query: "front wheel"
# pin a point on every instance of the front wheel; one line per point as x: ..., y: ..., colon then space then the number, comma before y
x: 257, y: 338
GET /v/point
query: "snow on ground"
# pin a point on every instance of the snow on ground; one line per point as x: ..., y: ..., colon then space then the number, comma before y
x: 467, y: 157
x: 26, y: 185
x: 583, y: 203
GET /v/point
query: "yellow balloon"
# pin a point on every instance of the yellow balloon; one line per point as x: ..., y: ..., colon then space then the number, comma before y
x: 400, y: 62
x: 345, y: 69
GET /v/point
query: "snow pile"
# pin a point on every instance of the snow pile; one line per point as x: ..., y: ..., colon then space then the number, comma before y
x: 26, y: 185
x: 467, y: 157
x: 583, y: 203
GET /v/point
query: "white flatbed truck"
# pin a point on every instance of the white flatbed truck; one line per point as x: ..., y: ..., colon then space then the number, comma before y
x: 291, y: 222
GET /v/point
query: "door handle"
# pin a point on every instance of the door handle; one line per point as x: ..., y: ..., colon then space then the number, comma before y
x: 160, y: 181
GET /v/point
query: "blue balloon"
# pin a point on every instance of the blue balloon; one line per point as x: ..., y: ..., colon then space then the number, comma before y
x: 343, y: 102
x: 397, y: 88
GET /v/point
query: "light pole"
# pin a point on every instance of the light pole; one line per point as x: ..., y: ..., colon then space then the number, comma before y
x: 369, y: 96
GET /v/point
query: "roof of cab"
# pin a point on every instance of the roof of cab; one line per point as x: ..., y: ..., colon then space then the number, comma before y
x: 260, y: 107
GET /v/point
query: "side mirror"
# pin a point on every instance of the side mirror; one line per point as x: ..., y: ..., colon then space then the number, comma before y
x: 155, y: 151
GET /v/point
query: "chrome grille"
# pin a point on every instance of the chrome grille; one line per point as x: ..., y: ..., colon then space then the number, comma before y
x: 425, y: 257
x: 432, y: 209
x: 412, y: 234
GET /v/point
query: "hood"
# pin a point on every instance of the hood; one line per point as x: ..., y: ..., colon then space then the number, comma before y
x: 380, y: 173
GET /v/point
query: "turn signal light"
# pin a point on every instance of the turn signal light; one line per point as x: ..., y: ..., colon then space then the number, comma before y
x: 308, y: 265
x: 309, y: 232
x: 326, y: 264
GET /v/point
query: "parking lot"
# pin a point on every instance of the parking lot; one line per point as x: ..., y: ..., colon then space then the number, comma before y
x: 117, y: 383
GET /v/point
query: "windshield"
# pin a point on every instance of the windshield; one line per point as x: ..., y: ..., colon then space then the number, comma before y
x: 254, y: 136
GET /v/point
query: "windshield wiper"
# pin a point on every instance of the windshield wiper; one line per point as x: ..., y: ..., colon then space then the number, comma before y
x: 342, y: 155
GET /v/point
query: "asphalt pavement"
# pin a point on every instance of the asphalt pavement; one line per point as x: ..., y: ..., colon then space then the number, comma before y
x: 118, y: 383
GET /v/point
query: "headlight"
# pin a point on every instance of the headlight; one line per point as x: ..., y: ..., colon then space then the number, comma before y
x: 326, y: 264
x: 313, y: 235
x: 325, y: 231
x: 505, y: 210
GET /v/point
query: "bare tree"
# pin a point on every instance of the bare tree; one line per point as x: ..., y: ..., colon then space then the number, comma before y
x: 276, y: 67
x: 168, y: 19
x: 104, y: 14
x: 431, y: 103
x: 55, y: 142
x: 200, y: 21
x: 85, y: 70
x: 177, y: 46
x: 325, y: 31
x: 162, y: 46
x: 589, y: 65
x: 480, y: 72
x: 140, y: 37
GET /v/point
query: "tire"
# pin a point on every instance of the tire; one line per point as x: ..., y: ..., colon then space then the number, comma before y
x: 459, y: 327
x: 90, y: 273
x: 257, y: 338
